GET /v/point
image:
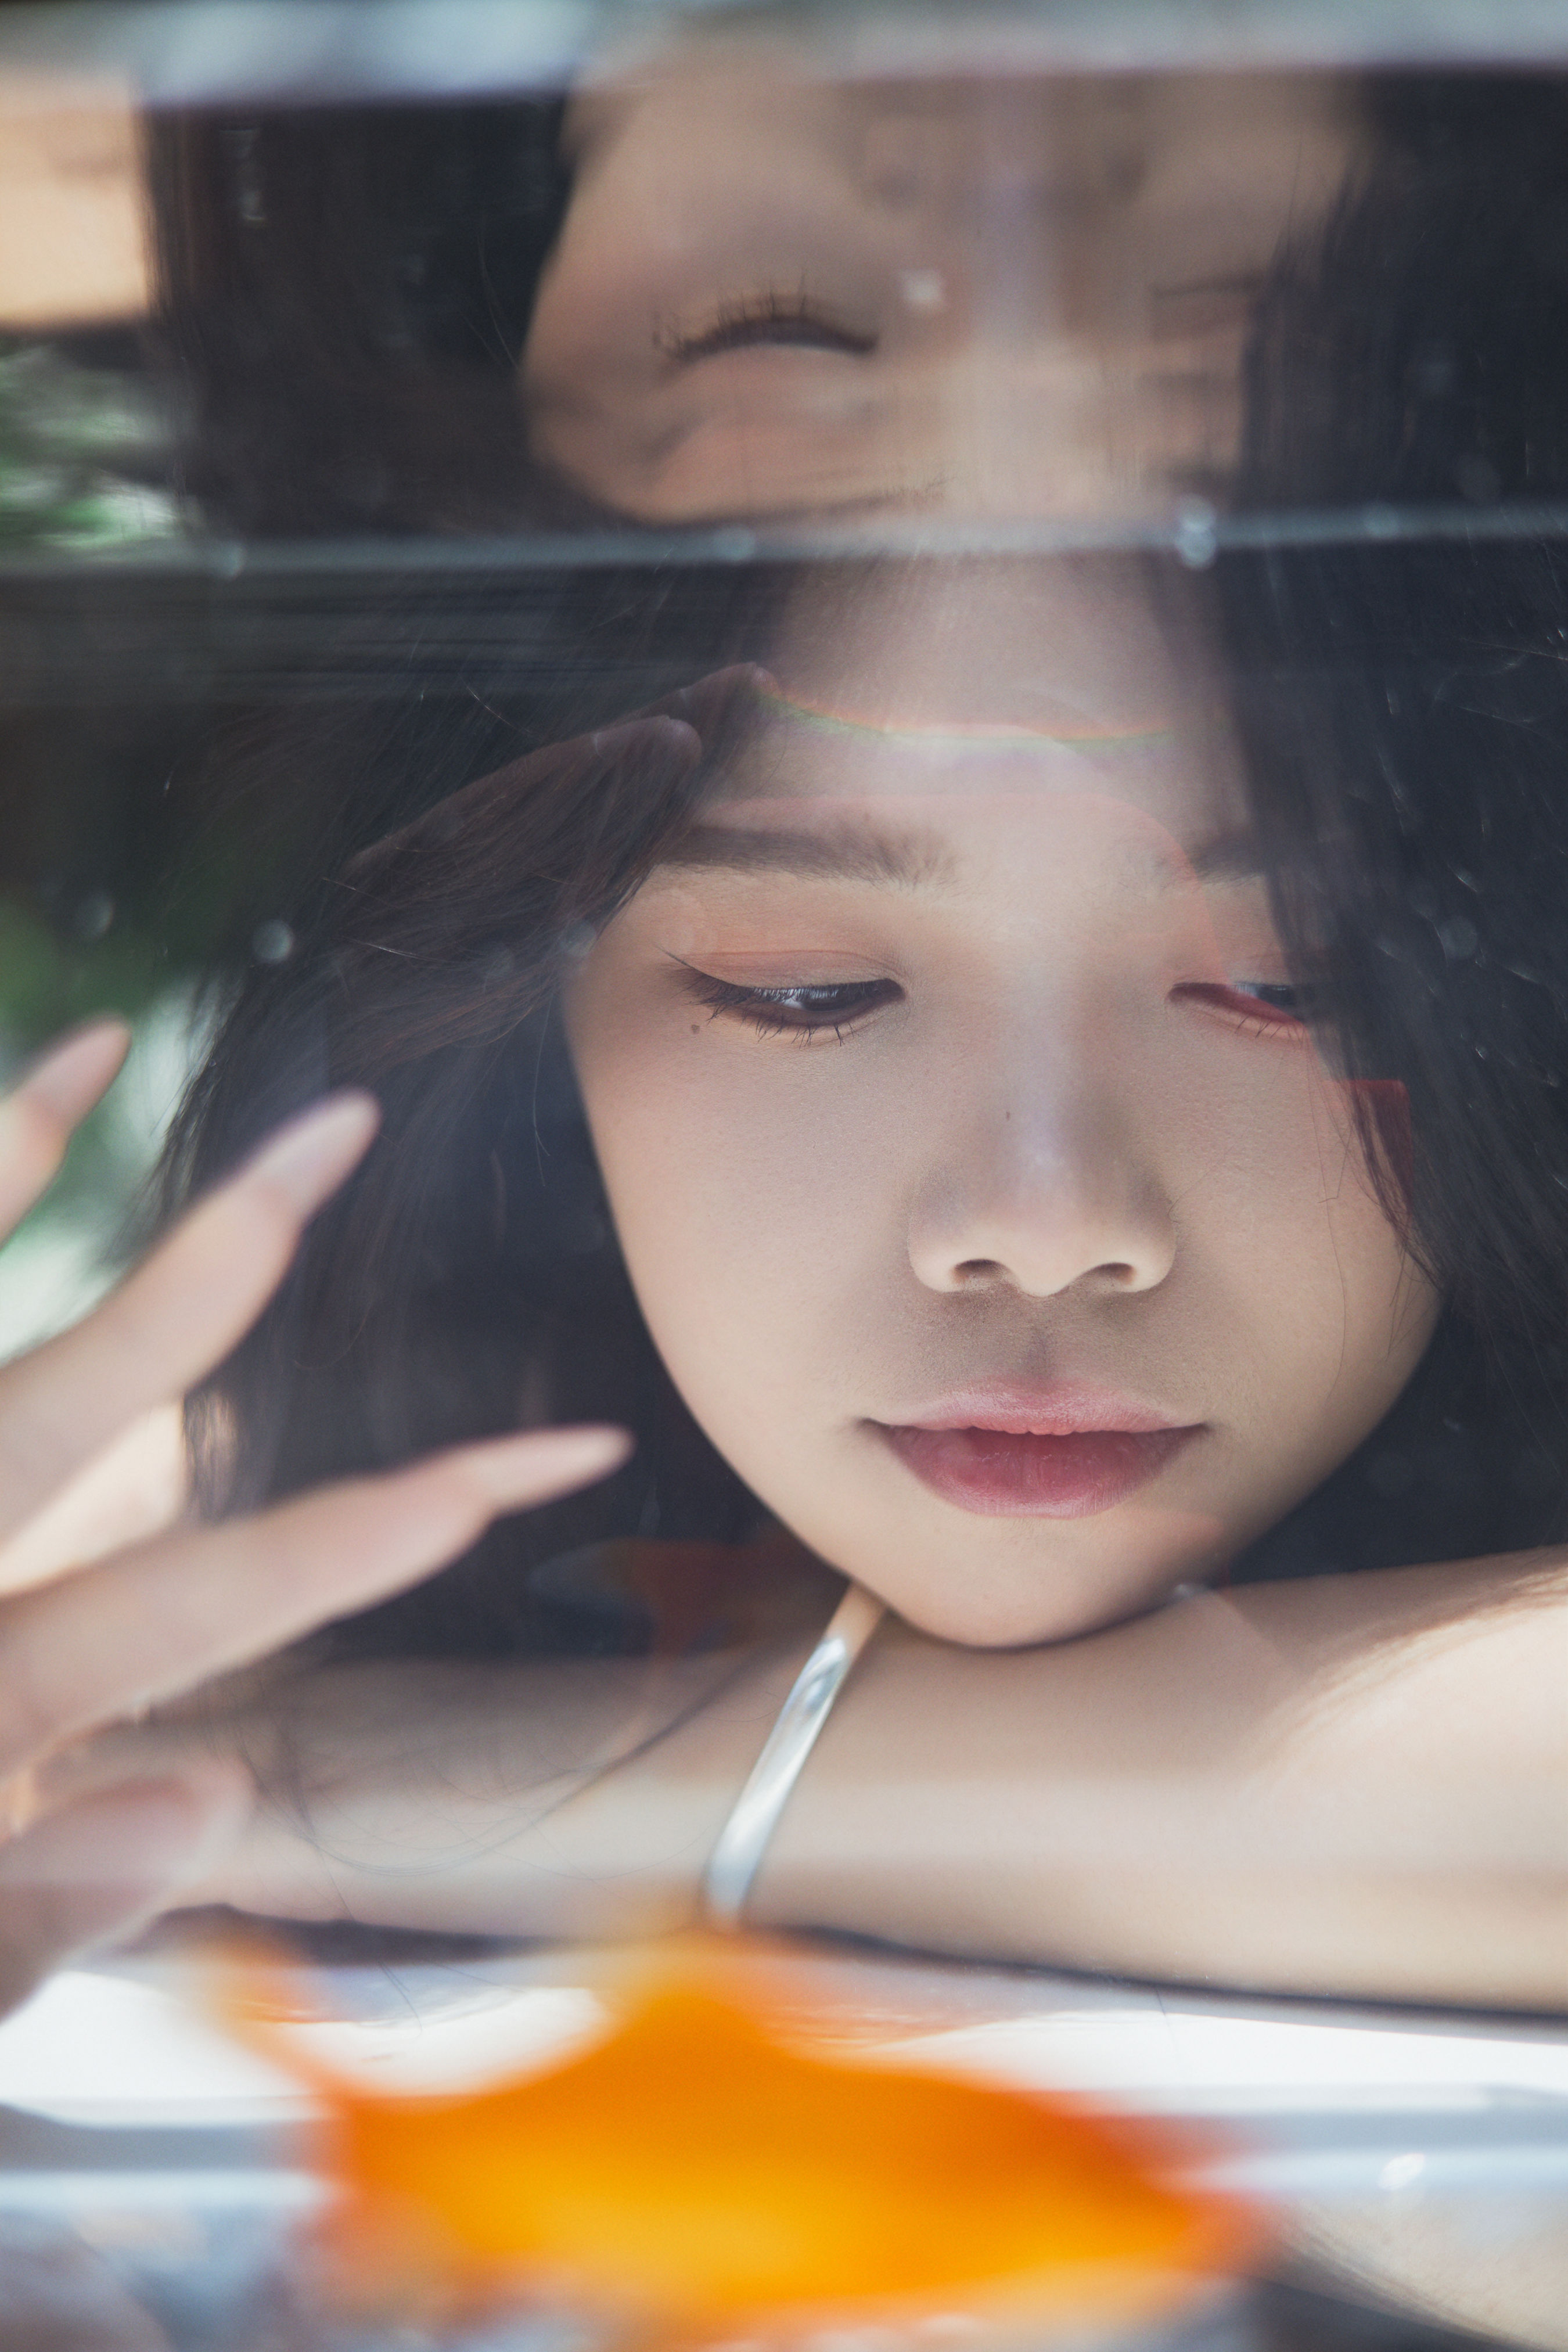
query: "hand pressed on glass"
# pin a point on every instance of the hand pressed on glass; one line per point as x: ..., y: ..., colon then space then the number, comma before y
x: 83, y: 1646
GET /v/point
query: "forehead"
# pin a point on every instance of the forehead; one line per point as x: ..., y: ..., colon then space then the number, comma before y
x: 995, y: 683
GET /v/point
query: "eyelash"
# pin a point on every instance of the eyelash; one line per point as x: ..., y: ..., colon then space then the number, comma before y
x: 769, y: 318
x: 811, y: 1010
x: 806, y: 1011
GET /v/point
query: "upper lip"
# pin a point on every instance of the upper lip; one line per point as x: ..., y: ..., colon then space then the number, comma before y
x: 1044, y: 1409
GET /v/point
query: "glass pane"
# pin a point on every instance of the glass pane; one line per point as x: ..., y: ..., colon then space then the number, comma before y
x: 877, y: 695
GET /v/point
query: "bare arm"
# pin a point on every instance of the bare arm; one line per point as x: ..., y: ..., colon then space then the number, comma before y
x: 1348, y: 1785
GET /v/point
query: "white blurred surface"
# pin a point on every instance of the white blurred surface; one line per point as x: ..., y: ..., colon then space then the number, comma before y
x: 114, y: 2050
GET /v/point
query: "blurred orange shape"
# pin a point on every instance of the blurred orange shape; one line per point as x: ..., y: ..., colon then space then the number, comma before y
x: 696, y: 2176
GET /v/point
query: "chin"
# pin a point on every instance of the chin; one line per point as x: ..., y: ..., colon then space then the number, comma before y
x: 1021, y: 1622
x: 1008, y: 1583
x: 1023, y: 1605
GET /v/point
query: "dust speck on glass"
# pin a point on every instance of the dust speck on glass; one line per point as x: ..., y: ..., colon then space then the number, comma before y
x: 784, y: 807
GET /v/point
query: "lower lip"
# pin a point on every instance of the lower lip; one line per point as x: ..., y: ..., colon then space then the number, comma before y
x: 1003, y: 1475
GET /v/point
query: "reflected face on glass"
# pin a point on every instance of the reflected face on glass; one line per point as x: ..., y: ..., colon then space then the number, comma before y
x: 777, y: 293
x: 992, y: 1207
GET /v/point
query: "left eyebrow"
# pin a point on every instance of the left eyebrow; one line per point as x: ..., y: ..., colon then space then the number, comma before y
x: 906, y: 861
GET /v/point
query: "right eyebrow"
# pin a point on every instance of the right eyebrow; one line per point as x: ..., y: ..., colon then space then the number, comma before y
x: 907, y: 861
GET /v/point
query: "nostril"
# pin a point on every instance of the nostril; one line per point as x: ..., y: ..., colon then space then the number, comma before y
x: 1117, y: 1274
x: 977, y: 1269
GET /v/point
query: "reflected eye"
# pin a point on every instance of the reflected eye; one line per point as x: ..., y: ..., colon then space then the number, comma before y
x: 793, y: 321
x: 1281, y: 1009
x: 811, y: 1010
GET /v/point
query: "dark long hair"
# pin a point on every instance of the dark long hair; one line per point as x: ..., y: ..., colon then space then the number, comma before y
x: 343, y: 296
x: 1403, y: 705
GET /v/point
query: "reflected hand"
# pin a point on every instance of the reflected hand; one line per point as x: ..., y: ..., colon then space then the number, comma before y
x: 84, y: 1645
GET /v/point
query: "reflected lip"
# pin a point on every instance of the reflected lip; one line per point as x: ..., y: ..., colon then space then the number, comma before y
x: 1061, y: 1450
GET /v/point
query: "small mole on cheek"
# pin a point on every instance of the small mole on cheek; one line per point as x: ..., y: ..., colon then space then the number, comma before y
x: 696, y: 1027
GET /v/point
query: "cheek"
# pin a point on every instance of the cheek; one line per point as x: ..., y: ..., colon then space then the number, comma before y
x: 756, y: 1191
x: 1260, y: 1158
x: 1391, y: 1307
x: 1332, y: 1314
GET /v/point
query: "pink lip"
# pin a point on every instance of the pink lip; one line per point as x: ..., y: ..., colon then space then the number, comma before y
x: 1057, y: 1453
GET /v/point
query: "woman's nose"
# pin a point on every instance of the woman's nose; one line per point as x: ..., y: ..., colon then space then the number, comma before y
x: 1041, y: 1194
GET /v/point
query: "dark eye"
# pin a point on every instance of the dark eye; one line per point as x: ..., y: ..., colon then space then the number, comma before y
x: 808, y: 1010
x: 1295, y: 999
x: 1262, y: 1007
x: 789, y: 320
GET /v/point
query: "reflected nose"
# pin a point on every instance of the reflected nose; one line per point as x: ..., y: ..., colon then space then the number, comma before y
x: 1041, y: 1195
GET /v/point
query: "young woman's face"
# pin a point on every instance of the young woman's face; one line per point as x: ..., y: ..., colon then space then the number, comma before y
x: 991, y: 1209
x: 779, y: 293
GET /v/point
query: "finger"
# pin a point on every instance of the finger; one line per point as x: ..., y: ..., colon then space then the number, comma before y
x: 37, y: 1117
x: 556, y: 774
x: 177, y: 1315
x: 139, y: 1485
x: 102, y: 1866
x: 141, y: 1629
x: 718, y: 700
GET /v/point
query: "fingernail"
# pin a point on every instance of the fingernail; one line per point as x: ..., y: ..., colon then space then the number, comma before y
x: 70, y: 1077
x: 519, y: 1470
x: 309, y: 1158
